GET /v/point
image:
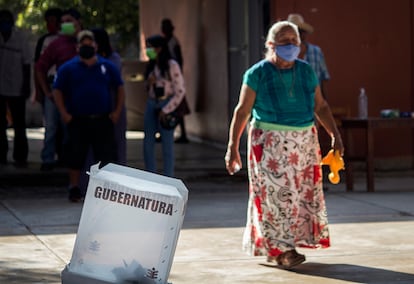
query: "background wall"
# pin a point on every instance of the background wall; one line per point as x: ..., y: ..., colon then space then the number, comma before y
x: 200, y: 26
x: 366, y: 44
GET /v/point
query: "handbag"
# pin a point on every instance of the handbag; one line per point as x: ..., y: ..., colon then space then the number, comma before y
x: 169, y: 121
x: 183, y: 108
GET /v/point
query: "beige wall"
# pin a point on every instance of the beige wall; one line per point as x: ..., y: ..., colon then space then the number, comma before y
x: 200, y: 26
x: 366, y: 44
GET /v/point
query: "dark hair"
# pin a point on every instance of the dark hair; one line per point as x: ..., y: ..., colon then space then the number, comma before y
x: 104, y: 44
x: 148, y: 69
x: 156, y: 41
x: 167, y: 26
x: 53, y: 12
x: 72, y: 12
x: 6, y: 15
x: 164, y: 56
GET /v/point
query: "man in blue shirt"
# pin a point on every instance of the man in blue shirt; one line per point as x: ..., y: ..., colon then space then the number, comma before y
x: 311, y: 53
x: 82, y: 92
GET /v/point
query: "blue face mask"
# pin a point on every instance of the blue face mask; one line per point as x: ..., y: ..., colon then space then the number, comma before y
x: 287, y: 52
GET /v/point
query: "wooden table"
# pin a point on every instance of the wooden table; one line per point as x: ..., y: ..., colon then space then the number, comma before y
x: 368, y: 125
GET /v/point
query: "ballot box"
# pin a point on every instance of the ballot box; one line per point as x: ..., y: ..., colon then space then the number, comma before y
x: 129, y: 227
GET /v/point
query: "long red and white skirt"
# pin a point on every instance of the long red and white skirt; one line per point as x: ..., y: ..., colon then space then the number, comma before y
x: 286, y: 206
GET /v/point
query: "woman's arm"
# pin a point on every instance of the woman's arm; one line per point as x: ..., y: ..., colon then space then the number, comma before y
x: 324, y: 115
x: 177, y: 82
x: 238, y: 123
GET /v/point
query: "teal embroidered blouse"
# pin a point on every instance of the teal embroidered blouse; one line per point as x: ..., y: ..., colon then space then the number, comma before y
x: 283, y: 96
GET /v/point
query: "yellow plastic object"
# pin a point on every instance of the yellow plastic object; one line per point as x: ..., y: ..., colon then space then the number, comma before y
x: 335, y: 162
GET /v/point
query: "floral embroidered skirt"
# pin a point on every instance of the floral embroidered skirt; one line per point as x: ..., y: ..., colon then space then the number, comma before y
x: 286, y: 206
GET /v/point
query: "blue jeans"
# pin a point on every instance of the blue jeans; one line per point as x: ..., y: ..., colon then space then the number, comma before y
x: 151, y: 127
x: 52, y: 124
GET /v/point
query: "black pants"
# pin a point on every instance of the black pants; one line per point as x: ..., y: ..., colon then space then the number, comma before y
x: 96, y: 132
x: 17, y: 106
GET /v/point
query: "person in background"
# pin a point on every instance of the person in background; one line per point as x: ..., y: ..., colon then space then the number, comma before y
x: 52, y: 143
x: 311, y: 53
x: 314, y: 56
x: 15, y: 79
x: 282, y: 96
x: 82, y: 92
x: 56, y: 53
x: 167, y: 29
x: 52, y: 18
x: 166, y: 90
x: 104, y: 49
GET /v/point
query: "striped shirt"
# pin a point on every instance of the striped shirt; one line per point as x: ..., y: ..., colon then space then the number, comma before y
x: 315, y: 58
x: 14, y: 53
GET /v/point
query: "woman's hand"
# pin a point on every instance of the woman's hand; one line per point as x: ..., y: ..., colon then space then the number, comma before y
x: 233, y: 161
x: 161, y: 115
x: 66, y: 117
x: 337, y: 144
x: 151, y: 80
x: 114, y: 116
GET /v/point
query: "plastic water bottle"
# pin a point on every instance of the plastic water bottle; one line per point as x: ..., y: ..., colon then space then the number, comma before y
x: 362, y: 104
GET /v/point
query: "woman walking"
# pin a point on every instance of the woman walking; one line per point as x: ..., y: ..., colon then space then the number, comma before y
x: 282, y: 96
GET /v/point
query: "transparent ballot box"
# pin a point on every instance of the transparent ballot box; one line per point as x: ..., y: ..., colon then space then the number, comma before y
x: 129, y: 227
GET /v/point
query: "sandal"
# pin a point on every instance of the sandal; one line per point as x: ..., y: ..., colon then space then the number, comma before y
x: 271, y: 259
x: 289, y: 259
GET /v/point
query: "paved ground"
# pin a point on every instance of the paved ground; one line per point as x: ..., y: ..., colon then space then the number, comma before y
x: 371, y: 232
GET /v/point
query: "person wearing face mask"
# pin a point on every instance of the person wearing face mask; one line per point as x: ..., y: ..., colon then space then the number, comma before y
x: 166, y: 90
x: 106, y: 51
x: 167, y: 30
x: 14, y: 87
x: 57, y: 52
x: 82, y: 93
x: 281, y: 97
x: 313, y: 54
x: 50, y: 113
x: 52, y: 20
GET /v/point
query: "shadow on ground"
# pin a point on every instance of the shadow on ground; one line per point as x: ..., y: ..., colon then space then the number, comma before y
x: 26, y: 276
x: 353, y: 273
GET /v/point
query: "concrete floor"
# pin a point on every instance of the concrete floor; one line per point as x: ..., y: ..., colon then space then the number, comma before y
x: 371, y: 233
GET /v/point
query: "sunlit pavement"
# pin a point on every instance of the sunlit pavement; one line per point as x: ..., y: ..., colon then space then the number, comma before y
x: 371, y: 233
